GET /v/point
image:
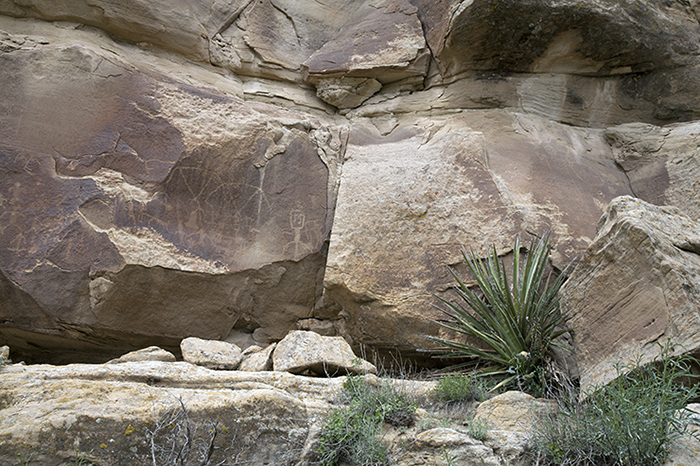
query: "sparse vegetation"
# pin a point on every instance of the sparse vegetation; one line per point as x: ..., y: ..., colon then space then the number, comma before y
x: 459, y: 388
x: 628, y: 422
x: 515, y: 319
x: 353, y: 433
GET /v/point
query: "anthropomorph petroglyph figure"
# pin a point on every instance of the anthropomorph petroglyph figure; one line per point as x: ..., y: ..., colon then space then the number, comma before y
x: 297, y: 222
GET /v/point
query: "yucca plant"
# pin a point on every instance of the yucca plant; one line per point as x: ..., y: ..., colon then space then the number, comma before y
x: 515, y: 319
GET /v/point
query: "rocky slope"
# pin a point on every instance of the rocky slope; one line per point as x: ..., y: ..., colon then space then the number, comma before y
x: 236, y: 170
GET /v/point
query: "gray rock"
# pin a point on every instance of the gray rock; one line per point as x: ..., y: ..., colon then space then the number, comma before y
x: 5, y: 355
x: 637, y: 285
x: 302, y: 351
x: 211, y: 354
x: 258, y: 360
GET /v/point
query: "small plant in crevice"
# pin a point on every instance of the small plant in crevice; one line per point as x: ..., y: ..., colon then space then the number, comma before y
x: 478, y: 430
x: 515, y: 318
x: 631, y: 421
x: 353, y: 433
x: 459, y: 388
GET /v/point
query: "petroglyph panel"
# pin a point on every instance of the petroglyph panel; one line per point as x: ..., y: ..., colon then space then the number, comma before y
x: 115, y: 182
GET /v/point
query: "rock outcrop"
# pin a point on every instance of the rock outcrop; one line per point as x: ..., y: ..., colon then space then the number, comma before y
x: 237, y: 170
x: 137, y: 208
x: 637, y: 286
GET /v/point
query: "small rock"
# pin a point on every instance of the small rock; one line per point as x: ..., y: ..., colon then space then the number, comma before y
x: 5, y: 355
x: 256, y: 361
x: 302, y: 351
x: 152, y: 353
x: 211, y: 354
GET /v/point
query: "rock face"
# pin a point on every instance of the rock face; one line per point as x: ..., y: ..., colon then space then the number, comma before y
x: 107, y: 411
x: 459, y: 181
x: 236, y: 170
x: 637, y: 285
x: 145, y: 209
x: 662, y: 163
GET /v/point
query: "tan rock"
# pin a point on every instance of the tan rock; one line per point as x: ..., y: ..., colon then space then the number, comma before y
x: 384, y: 47
x: 302, y: 351
x: 511, y: 418
x: 436, y: 446
x: 5, y: 355
x: 260, y: 360
x: 685, y: 450
x: 152, y: 353
x: 661, y: 163
x: 346, y: 92
x: 105, y: 411
x: 179, y: 25
x: 410, y: 199
x: 211, y: 354
x: 636, y: 286
x: 168, y: 209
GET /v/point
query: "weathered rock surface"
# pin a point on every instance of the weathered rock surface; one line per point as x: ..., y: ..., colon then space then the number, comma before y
x: 511, y: 418
x: 573, y: 57
x: 106, y: 411
x: 458, y: 181
x: 258, y: 360
x: 302, y: 351
x: 662, y: 163
x: 106, y: 414
x: 435, y: 446
x: 186, y: 185
x: 211, y: 354
x: 385, y: 47
x: 140, y: 209
x: 5, y: 355
x: 637, y: 285
x: 152, y: 353
x: 685, y: 450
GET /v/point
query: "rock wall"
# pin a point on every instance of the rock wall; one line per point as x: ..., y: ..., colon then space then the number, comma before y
x: 241, y: 169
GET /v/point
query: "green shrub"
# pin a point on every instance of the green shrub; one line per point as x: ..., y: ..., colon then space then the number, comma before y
x: 459, y: 387
x: 478, y: 430
x: 628, y: 422
x: 515, y: 319
x: 353, y: 433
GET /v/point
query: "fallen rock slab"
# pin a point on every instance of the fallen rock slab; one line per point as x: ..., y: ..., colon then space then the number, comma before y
x: 211, y: 354
x: 260, y: 360
x: 637, y: 285
x: 152, y: 353
x: 302, y: 351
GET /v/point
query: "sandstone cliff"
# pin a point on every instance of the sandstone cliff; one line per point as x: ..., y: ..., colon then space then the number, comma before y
x: 236, y: 170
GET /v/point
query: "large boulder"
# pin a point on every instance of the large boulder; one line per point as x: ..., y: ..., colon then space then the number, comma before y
x: 308, y: 352
x: 638, y: 285
x: 138, y: 209
x: 211, y: 354
x: 411, y: 198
